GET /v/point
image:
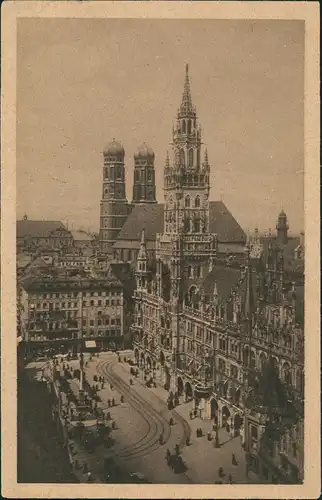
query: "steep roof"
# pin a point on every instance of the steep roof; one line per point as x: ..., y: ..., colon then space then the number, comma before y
x: 37, y: 228
x: 224, y: 277
x: 224, y: 224
x: 146, y: 216
x: 150, y: 218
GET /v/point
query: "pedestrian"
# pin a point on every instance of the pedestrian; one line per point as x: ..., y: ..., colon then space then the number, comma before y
x: 209, y: 436
x: 102, y: 386
x: 108, y: 402
x: 233, y: 459
x: 113, y: 402
x: 177, y: 450
x: 113, y: 425
x: 122, y: 399
x: 89, y: 476
x: 230, y: 478
x: 171, y: 421
x: 190, y: 415
x: 220, y: 472
x: 187, y: 441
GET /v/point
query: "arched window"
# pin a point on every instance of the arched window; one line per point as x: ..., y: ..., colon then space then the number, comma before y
x: 187, y: 201
x: 286, y: 373
x: 192, y: 291
x: 190, y: 157
x: 252, y: 359
x: 183, y: 126
x: 190, y: 271
x: 182, y: 158
x: 198, y: 272
x: 262, y: 361
x: 189, y: 126
x: 197, y: 202
x: 197, y: 226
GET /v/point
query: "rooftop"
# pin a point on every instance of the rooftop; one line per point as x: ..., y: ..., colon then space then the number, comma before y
x: 38, y: 228
x: 150, y: 218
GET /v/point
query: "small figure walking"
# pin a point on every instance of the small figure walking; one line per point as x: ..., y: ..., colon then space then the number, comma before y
x: 233, y: 459
x: 177, y: 450
x: 230, y: 478
x: 190, y: 414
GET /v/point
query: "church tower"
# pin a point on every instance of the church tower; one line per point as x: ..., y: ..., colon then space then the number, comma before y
x: 144, y: 176
x: 114, y: 206
x: 282, y: 228
x: 186, y: 248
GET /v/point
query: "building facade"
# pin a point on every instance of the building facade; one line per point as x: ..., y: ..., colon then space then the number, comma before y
x: 61, y: 313
x: 208, y: 329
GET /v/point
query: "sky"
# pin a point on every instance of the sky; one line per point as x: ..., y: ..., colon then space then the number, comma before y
x: 83, y: 82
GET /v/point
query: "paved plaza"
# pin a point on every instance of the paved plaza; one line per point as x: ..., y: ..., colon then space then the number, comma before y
x: 139, y: 421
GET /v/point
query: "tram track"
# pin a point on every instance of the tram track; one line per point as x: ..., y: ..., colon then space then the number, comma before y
x: 156, y: 423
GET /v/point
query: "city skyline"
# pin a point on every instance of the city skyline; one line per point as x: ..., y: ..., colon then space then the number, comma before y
x: 68, y: 110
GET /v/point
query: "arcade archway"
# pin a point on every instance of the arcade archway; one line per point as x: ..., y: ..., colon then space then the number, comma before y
x: 214, y: 409
x: 180, y: 386
x: 225, y: 415
x: 188, y: 391
x: 238, y: 422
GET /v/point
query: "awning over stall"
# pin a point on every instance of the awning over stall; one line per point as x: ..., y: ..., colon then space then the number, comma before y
x: 90, y: 344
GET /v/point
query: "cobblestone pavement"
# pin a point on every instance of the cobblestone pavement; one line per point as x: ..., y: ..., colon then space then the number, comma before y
x: 139, y: 424
x: 140, y: 420
x: 201, y: 457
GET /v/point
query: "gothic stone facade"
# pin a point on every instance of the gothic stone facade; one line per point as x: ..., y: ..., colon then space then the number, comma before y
x: 201, y: 326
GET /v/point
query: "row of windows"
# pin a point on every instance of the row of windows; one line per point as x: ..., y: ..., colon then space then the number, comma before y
x: 187, y: 202
x: 113, y: 172
x: 62, y: 324
x: 76, y: 294
x: 70, y: 305
x: 140, y: 174
x: 100, y: 322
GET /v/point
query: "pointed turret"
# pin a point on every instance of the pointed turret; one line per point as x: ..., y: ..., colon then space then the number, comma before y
x: 215, y: 294
x: 186, y: 103
x: 142, y: 272
x: 167, y: 161
x: 249, y: 292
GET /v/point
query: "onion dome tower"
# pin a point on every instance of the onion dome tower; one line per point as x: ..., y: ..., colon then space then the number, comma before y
x: 144, y: 190
x: 114, y: 206
x: 282, y: 228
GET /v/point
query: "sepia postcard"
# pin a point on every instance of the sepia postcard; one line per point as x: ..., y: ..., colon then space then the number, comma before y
x: 160, y: 250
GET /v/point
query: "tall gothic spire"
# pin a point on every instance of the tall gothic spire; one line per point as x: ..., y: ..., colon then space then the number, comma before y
x: 186, y: 104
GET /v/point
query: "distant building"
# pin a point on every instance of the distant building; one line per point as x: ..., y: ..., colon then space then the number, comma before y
x: 33, y: 234
x: 81, y: 239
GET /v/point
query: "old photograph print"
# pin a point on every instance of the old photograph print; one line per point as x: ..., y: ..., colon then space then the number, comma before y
x: 160, y: 251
